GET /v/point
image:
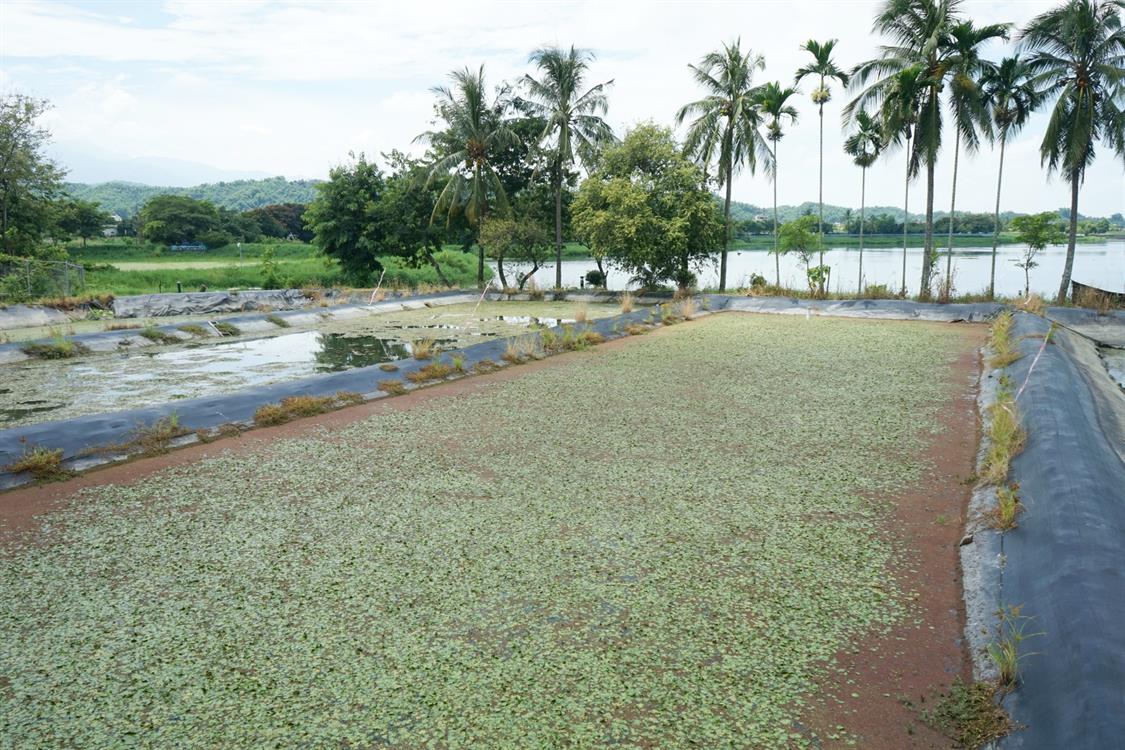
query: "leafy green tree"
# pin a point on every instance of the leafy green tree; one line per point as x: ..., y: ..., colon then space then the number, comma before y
x: 1036, y: 232
x: 970, y: 115
x: 920, y: 48
x: 826, y: 70
x: 464, y: 153
x: 1078, y: 51
x: 573, y: 127
x: 404, y: 210
x: 30, y: 183
x: 1009, y: 93
x: 800, y: 236
x: 83, y: 219
x: 172, y: 219
x: 281, y: 220
x: 519, y: 241
x: 647, y: 209
x: 864, y: 146
x: 773, y: 101
x: 344, y: 218
x: 726, y: 123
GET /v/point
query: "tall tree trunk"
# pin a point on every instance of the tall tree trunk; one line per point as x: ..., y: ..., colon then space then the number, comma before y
x: 558, y: 230
x: 928, y: 249
x: 776, y: 251
x: 996, y: 219
x: 862, y: 214
x: 905, y: 214
x: 437, y: 268
x: 952, y: 204
x: 500, y: 270
x: 820, y: 192
x: 726, y: 235
x: 480, y: 266
x: 1068, y: 267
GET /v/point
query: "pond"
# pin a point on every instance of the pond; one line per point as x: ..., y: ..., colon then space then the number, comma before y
x: 1098, y: 264
x: 37, y: 391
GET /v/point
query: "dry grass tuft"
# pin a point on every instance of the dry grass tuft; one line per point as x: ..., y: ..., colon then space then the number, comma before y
x: 486, y: 365
x: 43, y: 464
x: 436, y: 370
x: 423, y: 348
x: 193, y: 330
x: 581, y: 314
x: 1095, y: 300
x: 296, y: 407
x: 1008, y: 507
x: 637, y: 329
x: 392, y: 387
x: 969, y: 714
x: 227, y: 329
x: 1033, y: 304
x: 1003, y: 351
x: 628, y: 302
x: 1006, y: 437
x: 388, y: 367
x: 157, y: 336
x: 687, y: 308
x: 122, y: 326
x: 278, y: 321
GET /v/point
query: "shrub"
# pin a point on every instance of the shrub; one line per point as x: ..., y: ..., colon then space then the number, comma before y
x: 877, y: 291
x: 278, y: 321
x: 595, y: 278
x: 227, y: 329
x: 155, y: 439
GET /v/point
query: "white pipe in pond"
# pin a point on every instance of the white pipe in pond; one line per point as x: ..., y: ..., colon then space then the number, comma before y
x: 378, y: 284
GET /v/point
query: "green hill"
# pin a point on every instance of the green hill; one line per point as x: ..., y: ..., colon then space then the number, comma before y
x: 126, y: 198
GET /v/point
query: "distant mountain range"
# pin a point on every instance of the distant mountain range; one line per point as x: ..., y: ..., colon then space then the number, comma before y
x: 126, y: 198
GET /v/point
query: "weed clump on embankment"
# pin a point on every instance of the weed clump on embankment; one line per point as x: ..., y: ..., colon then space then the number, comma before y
x: 296, y: 407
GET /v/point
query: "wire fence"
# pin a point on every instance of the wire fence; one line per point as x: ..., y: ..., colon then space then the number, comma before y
x: 23, y: 279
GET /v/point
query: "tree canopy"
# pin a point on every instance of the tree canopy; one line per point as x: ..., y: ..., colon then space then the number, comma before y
x: 647, y: 209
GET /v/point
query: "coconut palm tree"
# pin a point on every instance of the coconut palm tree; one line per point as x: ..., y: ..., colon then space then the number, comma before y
x: 574, y: 127
x: 919, y: 31
x: 1010, y: 95
x: 970, y: 116
x: 475, y: 130
x: 864, y: 146
x: 773, y: 101
x: 1078, y: 50
x: 825, y: 68
x: 726, y: 122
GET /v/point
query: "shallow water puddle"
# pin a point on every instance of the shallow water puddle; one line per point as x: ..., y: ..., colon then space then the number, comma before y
x: 1114, y: 362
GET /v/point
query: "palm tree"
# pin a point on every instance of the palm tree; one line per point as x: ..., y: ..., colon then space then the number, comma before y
x: 726, y: 122
x: 573, y: 118
x: 772, y: 99
x: 824, y: 67
x: 1009, y: 93
x: 970, y: 116
x: 1078, y: 50
x: 864, y: 146
x: 920, y: 35
x: 474, y: 131
x: 898, y: 114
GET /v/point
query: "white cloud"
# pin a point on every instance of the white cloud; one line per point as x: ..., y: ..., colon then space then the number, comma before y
x: 291, y: 87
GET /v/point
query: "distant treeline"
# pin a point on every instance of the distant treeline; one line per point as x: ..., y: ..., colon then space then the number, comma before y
x: 126, y: 198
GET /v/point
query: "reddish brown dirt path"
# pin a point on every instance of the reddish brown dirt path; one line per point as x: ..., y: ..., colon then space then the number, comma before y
x: 891, y: 679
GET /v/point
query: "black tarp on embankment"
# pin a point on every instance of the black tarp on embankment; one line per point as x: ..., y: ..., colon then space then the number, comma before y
x: 1065, y: 562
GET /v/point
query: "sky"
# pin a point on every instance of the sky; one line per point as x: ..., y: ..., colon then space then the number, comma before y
x: 231, y: 88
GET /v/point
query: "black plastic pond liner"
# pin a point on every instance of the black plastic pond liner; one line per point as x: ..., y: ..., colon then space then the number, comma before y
x: 1107, y: 328
x: 1065, y: 562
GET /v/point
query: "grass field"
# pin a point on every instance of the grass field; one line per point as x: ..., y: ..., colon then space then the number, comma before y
x: 657, y: 544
